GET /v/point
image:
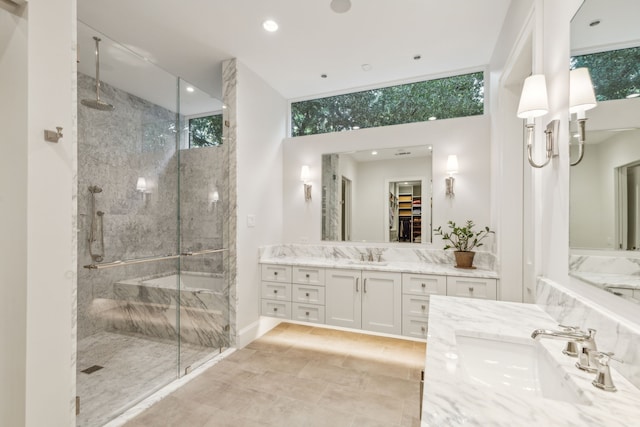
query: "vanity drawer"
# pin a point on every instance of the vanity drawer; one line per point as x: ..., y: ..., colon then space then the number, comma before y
x: 276, y: 273
x: 281, y: 309
x: 424, y: 284
x: 276, y: 291
x: 415, y: 327
x: 308, y: 313
x: 413, y: 305
x: 308, y: 294
x: 472, y: 287
x: 308, y: 275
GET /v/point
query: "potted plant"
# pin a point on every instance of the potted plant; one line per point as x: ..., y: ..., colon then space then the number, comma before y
x: 463, y: 240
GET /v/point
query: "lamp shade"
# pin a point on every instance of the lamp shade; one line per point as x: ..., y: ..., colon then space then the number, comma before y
x: 452, y: 164
x: 581, y: 94
x: 304, y: 174
x: 141, y: 185
x: 533, y: 100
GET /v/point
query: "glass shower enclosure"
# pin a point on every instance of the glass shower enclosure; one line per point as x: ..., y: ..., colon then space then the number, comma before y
x: 153, y: 180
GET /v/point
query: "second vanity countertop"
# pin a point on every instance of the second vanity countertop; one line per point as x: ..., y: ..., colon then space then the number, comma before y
x: 393, y: 266
x: 452, y: 398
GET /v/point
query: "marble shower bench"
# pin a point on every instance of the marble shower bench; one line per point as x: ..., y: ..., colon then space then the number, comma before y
x: 337, y: 285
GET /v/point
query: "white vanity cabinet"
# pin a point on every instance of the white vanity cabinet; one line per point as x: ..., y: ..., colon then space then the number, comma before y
x: 416, y: 290
x: 275, y: 288
x: 369, y: 300
x: 308, y: 294
x: 472, y: 287
x: 293, y: 292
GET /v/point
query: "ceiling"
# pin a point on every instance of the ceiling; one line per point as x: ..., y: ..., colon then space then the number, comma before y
x: 191, y: 38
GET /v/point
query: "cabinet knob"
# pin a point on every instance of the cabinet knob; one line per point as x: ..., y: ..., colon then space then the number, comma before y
x: 424, y: 306
x: 275, y: 308
x: 470, y: 288
x: 307, y: 294
x: 424, y: 285
x: 306, y: 313
x: 275, y: 291
x: 423, y: 329
x: 275, y: 273
x: 307, y: 275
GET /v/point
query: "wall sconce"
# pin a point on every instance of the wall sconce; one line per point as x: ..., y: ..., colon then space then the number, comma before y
x: 534, y: 103
x: 141, y: 187
x: 304, y: 177
x: 581, y: 99
x: 214, y: 197
x: 452, y: 167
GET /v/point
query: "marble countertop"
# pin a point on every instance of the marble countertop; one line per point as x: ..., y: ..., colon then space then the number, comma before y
x: 394, y: 266
x: 452, y: 398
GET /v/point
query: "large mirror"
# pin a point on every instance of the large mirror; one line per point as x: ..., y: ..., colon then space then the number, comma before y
x: 377, y: 195
x: 605, y: 185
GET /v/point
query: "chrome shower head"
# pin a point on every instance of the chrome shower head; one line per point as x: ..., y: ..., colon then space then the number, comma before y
x: 97, y: 104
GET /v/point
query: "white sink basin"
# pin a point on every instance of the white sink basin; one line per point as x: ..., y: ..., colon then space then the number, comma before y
x: 515, y: 365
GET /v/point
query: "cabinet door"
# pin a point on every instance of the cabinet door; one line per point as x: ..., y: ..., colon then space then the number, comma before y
x: 343, y: 289
x: 382, y: 302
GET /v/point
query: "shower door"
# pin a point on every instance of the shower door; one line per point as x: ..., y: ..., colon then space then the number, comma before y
x: 152, y: 293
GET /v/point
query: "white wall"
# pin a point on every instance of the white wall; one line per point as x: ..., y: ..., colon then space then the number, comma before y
x: 13, y: 221
x: 468, y: 138
x: 261, y: 118
x: 593, y: 201
x: 37, y: 203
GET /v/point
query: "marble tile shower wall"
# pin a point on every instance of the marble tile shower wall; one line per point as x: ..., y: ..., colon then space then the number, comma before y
x: 203, y: 171
x: 613, y: 333
x: 137, y: 139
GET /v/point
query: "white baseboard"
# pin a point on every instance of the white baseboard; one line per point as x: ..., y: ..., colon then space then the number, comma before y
x: 255, y: 330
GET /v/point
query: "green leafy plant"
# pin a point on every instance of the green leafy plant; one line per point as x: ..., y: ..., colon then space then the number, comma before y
x: 462, y: 238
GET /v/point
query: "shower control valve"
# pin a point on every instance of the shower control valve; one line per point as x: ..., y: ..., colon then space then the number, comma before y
x: 53, y: 136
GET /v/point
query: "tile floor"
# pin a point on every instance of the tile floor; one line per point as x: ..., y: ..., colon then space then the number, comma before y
x: 301, y: 376
x: 132, y: 366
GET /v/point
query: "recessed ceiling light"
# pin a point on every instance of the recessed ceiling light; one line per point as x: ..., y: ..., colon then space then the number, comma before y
x: 190, y: 89
x: 366, y: 67
x: 417, y: 57
x: 432, y: 118
x: 340, y: 6
x: 224, y: 107
x: 374, y: 153
x: 324, y: 76
x: 430, y: 147
x: 270, y: 25
x: 633, y: 95
x: 594, y: 22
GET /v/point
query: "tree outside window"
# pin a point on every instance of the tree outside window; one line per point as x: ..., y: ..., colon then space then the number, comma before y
x: 457, y: 96
x: 205, y: 131
x: 615, y: 73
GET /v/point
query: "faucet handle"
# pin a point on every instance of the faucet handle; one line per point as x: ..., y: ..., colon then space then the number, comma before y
x: 571, y: 349
x: 603, y: 376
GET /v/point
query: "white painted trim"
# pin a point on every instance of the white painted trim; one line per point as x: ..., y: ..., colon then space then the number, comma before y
x: 255, y: 330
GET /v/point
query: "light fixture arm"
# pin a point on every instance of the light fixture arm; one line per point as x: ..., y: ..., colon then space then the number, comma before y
x: 550, y: 132
x: 581, y: 140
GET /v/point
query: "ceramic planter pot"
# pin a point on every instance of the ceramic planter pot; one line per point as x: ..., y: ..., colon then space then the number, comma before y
x: 464, y: 259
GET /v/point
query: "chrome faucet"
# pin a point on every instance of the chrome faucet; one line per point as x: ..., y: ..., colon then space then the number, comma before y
x: 585, y: 340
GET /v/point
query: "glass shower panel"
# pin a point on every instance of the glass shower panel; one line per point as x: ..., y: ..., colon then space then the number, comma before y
x: 204, y: 205
x: 128, y: 232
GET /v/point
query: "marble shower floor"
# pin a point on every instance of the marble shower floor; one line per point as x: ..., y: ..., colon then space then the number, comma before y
x: 297, y: 375
x: 133, y: 367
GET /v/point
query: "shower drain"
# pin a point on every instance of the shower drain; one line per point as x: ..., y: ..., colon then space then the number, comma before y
x: 92, y: 369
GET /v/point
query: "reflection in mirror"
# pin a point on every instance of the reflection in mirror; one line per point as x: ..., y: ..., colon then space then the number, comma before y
x: 604, y: 205
x: 381, y: 195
